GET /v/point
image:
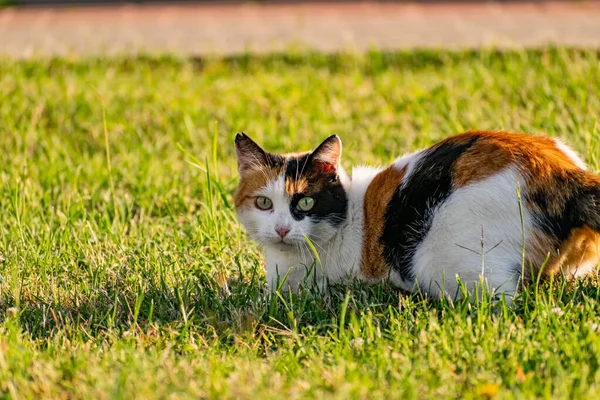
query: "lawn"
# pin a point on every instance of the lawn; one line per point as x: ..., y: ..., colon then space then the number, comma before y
x: 124, y: 274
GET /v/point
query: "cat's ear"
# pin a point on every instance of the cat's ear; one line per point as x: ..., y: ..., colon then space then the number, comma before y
x: 327, y: 156
x: 249, y: 155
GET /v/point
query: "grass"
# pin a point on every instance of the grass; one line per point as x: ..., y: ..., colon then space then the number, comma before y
x: 124, y: 274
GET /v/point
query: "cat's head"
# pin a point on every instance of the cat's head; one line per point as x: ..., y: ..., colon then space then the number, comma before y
x: 282, y: 198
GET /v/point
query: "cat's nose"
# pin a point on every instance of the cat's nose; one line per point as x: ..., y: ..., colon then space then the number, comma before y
x: 282, y: 231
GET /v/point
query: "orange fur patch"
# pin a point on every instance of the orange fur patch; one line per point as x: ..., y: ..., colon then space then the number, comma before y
x: 378, y: 195
x: 495, y: 150
x: 582, y: 247
x: 481, y: 161
x: 293, y: 186
x: 252, y: 181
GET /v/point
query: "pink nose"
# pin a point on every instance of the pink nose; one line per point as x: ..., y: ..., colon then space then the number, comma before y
x: 282, y: 231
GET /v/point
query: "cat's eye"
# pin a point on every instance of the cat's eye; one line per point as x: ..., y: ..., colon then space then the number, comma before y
x: 264, y: 203
x: 306, y: 203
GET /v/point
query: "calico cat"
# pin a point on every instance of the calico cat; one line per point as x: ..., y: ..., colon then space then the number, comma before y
x: 494, y: 205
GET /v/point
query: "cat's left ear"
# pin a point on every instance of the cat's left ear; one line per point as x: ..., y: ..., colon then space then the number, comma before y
x: 249, y: 154
x: 327, y: 155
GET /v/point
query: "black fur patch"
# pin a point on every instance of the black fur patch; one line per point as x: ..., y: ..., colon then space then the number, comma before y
x: 330, y: 205
x: 559, y: 225
x: 298, y: 167
x: 331, y: 201
x: 581, y: 206
x: 409, y: 214
x: 274, y: 160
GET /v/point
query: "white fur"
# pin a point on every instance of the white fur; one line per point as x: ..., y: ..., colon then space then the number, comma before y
x: 409, y: 161
x: 570, y: 153
x: 583, y: 270
x: 477, y: 232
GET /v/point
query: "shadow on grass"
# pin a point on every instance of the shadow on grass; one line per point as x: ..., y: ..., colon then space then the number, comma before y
x: 203, y: 305
x: 204, y: 308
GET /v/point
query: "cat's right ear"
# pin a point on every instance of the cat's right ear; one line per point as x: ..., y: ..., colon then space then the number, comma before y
x: 327, y: 155
x: 249, y: 155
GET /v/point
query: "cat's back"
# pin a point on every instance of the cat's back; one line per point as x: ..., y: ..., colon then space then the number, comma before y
x: 475, y: 155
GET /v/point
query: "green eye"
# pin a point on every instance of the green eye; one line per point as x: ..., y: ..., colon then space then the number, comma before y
x: 306, y: 203
x: 264, y: 203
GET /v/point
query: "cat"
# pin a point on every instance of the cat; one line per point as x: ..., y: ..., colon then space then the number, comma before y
x: 486, y: 207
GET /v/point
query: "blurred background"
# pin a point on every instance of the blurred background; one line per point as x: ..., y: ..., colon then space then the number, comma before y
x: 30, y: 27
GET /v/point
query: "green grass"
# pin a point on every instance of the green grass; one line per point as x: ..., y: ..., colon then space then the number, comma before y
x: 124, y: 274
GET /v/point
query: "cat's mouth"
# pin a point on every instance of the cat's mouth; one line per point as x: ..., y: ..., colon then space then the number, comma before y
x: 284, y: 243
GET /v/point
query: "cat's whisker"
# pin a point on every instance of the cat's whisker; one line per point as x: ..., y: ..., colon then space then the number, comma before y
x: 316, y: 244
x: 297, y: 165
x: 317, y: 236
x: 303, y: 166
